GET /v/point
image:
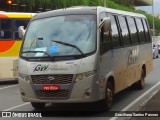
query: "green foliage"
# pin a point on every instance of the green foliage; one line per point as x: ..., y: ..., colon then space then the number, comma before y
x: 125, y: 5
x: 113, y: 5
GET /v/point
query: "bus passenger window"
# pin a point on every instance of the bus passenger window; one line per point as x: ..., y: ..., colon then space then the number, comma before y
x: 141, y: 30
x: 6, y: 35
x: 124, y: 30
x: 6, y: 28
x: 19, y: 22
x: 114, y: 33
x: 105, y: 38
x: 133, y: 30
x: 6, y: 24
x: 105, y: 42
x: 146, y: 30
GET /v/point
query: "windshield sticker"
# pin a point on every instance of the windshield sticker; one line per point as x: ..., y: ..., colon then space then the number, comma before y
x: 39, y: 54
x: 40, y: 49
x: 53, y: 49
x: 69, y: 62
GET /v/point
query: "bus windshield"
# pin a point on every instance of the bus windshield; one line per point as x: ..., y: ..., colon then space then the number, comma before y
x: 60, y: 36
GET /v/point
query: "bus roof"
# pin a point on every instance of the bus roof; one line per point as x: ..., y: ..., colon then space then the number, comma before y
x: 85, y: 10
x: 67, y: 11
x: 120, y: 12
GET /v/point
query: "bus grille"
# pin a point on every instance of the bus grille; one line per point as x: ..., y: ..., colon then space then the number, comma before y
x: 58, y: 79
x: 52, y: 94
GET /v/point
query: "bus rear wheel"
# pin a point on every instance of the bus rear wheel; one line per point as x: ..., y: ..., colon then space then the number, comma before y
x: 38, y: 105
x: 141, y: 83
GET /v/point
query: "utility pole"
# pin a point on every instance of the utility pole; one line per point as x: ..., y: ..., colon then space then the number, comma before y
x: 104, y: 3
x: 153, y: 21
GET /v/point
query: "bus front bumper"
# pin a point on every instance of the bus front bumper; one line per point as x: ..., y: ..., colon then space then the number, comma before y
x: 85, y: 91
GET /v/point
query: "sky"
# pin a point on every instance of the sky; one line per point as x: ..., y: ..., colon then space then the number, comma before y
x: 148, y: 9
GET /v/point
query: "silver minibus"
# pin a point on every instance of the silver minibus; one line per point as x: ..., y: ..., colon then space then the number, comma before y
x: 83, y: 55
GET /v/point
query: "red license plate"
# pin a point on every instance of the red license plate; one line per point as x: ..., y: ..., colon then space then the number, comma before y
x: 50, y: 87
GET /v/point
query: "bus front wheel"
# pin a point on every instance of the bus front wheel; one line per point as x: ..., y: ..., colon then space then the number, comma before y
x: 108, y: 96
x: 38, y: 105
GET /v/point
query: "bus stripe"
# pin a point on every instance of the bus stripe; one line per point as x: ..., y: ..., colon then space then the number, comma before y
x: 3, y: 16
x: 6, y: 45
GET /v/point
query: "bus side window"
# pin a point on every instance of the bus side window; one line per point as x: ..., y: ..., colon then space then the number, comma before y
x: 105, y: 38
x: 6, y: 24
x: 124, y: 30
x: 114, y: 32
x: 140, y: 30
x: 6, y: 28
x: 19, y: 22
x: 146, y: 30
x: 133, y: 30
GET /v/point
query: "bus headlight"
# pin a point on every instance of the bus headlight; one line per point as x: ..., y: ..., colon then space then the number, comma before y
x: 24, y: 77
x: 84, y: 75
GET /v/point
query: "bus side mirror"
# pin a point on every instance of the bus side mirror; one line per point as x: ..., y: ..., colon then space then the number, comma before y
x: 21, y: 31
x: 105, y: 24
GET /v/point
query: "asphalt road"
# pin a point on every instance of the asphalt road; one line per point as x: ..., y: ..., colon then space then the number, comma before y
x: 127, y: 100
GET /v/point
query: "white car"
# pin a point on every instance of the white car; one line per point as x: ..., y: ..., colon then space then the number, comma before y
x: 155, y: 52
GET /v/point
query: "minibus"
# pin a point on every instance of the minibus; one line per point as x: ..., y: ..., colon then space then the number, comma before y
x: 83, y: 55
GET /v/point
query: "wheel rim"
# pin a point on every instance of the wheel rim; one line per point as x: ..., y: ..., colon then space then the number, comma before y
x: 109, y: 96
x: 142, y: 81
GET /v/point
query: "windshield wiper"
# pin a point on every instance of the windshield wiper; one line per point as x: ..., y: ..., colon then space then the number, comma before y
x: 29, y: 51
x: 67, y: 44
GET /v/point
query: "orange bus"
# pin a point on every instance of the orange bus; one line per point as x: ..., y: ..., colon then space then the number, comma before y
x: 10, y: 42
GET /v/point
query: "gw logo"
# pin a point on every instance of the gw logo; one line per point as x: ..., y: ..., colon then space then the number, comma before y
x: 133, y: 56
x: 41, y: 67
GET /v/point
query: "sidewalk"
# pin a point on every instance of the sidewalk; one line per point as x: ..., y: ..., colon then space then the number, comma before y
x: 152, y: 105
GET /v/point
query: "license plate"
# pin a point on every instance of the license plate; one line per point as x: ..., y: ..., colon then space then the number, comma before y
x: 50, y: 87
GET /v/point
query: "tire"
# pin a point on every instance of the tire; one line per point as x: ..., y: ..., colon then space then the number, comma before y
x: 108, y: 101
x: 157, y: 56
x: 38, y: 105
x: 141, y: 83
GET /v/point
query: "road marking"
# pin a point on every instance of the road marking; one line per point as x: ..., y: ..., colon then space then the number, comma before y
x: 136, y: 100
x: 16, y: 106
x: 7, y: 87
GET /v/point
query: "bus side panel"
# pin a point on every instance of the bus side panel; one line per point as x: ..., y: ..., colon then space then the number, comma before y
x: 126, y: 73
x: 8, y: 61
x: 120, y: 69
x: 6, y: 71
